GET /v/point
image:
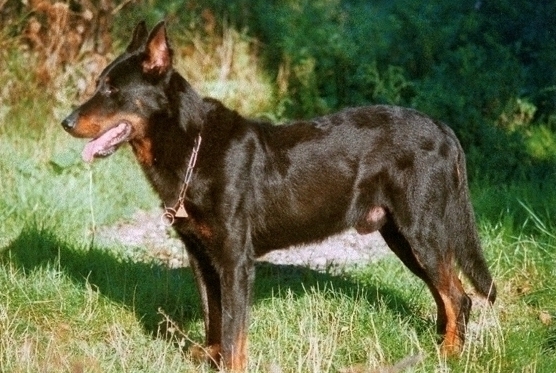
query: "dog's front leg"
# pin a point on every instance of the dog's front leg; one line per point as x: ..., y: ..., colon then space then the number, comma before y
x: 237, y: 277
x: 208, y: 285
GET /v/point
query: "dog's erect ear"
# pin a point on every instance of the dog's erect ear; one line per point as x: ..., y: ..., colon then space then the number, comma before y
x: 158, y: 52
x: 139, y: 37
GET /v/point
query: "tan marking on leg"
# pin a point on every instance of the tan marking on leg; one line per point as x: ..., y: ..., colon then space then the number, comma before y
x: 452, y: 343
x: 205, y: 354
x: 238, y: 362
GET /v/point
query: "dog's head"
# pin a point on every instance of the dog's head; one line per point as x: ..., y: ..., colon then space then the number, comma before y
x: 129, y: 91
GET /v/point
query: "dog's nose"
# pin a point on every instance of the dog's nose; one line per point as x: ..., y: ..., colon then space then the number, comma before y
x: 70, y: 121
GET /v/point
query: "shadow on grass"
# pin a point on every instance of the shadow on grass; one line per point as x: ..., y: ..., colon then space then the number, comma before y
x: 147, y: 288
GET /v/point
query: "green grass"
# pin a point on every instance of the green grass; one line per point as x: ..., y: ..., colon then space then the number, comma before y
x: 65, y: 305
x: 70, y: 305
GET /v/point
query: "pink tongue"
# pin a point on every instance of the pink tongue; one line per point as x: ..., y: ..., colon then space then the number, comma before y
x: 98, y: 145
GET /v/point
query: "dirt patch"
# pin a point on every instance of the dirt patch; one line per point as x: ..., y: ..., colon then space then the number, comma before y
x: 145, y: 235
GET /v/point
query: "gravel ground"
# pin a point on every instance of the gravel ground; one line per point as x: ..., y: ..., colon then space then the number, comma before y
x: 148, y: 236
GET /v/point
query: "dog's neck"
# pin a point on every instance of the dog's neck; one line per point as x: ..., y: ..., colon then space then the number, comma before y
x: 191, y: 110
x: 165, y: 150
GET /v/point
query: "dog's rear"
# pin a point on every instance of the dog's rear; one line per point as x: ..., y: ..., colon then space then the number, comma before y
x: 255, y: 187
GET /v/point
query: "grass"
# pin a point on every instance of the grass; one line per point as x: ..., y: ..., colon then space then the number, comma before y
x: 70, y: 305
x: 66, y: 306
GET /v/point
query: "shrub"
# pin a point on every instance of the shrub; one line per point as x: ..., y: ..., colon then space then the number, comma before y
x: 485, y: 68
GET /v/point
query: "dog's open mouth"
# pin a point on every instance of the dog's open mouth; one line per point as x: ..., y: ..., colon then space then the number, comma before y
x: 107, y: 143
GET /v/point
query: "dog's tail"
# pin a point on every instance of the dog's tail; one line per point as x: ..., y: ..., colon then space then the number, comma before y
x: 467, y: 245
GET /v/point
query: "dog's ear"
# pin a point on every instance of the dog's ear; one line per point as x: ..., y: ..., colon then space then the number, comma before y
x: 158, y: 52
x: 139, y: 37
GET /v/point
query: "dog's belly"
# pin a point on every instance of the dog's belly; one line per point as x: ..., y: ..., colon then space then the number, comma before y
x: 300, y: 224
x: 294, y: 235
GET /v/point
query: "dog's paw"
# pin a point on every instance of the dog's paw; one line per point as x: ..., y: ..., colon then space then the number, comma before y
x: 205, y: 353
x: 451, y: 348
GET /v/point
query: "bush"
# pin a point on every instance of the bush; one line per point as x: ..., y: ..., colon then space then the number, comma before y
x: 485, y: 68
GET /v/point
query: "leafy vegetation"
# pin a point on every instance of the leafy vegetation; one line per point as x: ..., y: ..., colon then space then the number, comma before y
x: 470, y: 63
x: 69, y: 304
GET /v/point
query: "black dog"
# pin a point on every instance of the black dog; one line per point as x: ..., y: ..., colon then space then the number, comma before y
x: 236, y: 189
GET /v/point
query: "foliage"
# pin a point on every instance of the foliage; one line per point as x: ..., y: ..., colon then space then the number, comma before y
x: 471, y: 63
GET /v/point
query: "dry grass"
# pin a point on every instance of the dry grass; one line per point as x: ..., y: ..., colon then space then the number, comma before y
x: 226, y: 66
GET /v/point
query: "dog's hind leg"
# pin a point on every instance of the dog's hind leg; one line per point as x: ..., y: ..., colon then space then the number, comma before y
x: 425, y: 258
x: 457, y: 307
x: 399, y: 245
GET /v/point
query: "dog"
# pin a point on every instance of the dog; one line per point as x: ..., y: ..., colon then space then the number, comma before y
x: 235, y: 189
